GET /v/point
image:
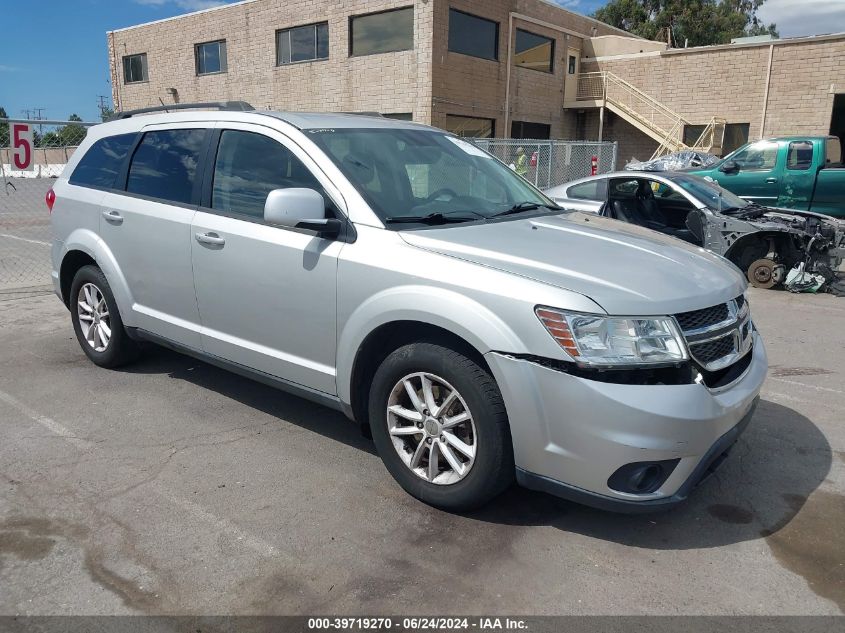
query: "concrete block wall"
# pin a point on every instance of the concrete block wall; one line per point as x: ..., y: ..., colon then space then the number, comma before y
x: 398, y: 82
x: 730, y: 82
x: 469, y: 86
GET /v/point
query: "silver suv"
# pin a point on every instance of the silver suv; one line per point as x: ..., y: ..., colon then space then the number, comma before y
x: 401, y: 275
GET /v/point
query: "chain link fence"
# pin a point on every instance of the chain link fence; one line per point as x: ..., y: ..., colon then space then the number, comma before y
x: 550, y: 163
x: 25, y: 234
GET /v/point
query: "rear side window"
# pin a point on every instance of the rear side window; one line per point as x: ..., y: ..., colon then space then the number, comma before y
x: 592, y: 190
x: 165, y: 164
x: 102, y: 162
x: 248, y: 167
x: 800, y: 156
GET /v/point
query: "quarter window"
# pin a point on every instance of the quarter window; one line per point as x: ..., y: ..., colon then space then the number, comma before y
x: 592, y: 190
x: 135, y: 68
x: 382, y: 32
x: 211, y: 57
x: 102, y: 162
x: 471, y: 35
x: 302, y: 44
x: 248, y: 167
x: 165, y: 165
x: 800, y: 157
x: 534, y: 51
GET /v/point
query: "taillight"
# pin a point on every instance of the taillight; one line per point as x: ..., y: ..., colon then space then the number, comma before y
x: 51, y: 199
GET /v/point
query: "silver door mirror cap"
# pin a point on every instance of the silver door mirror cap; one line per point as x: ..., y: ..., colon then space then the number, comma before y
x: 292, y: 207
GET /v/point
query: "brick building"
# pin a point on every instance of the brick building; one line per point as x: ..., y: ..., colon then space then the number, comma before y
x: 520, y: 68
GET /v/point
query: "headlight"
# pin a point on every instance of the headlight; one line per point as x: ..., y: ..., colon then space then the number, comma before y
x: 611, y: 341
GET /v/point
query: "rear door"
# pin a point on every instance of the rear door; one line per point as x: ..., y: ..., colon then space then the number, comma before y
x: 147, y: 227
x: 267, y: 294
x: 799, y: 177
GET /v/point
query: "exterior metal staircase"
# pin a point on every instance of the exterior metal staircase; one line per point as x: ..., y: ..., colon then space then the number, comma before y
x: 604, y: 89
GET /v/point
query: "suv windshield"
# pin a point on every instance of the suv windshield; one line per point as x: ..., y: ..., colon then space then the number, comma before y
x: 715, y: 197
x: 413, y: 176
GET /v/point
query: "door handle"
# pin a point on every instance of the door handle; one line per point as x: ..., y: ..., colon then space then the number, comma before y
x: 113, y: 217
x: 771, y: 181
x: 210, y: 238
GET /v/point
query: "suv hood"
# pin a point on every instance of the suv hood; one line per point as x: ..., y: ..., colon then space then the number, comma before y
x: 628, y: 270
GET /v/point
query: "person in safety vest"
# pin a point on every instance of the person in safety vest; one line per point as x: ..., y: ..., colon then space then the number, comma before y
x: 521, y: 162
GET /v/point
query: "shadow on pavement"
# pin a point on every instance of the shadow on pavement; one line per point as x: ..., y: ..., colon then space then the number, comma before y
x: 777, y: 464
x: 318, y: 419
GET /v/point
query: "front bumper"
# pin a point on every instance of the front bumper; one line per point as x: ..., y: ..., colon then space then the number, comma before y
x: 571, y: 434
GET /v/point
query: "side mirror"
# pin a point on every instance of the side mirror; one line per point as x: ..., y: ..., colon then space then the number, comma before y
x: 730, y: 167
x: 300, y: 209
x: 695, y: 224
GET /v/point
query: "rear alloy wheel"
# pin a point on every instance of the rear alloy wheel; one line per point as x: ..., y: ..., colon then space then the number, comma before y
x: 96, y: 320
x: 439, y: 423
x: 762, y: 273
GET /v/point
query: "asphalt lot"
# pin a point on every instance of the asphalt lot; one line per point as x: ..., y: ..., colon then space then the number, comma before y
x: 175, y: 487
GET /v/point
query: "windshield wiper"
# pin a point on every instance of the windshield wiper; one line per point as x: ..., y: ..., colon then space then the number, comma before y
x: 525, y: 206
x: 433, y: 218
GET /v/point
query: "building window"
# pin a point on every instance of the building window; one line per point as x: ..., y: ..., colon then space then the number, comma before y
x: 302, y: 44
x: 736, y: 135
x: 525, y: 129
x: 692, y: 133
x: 470, y: 126
x: 534, y: 51
x: 383, y: 32
x: 573, y: 64
x: 471, y: 35
x: 211, y: 57
x: 135, y: 68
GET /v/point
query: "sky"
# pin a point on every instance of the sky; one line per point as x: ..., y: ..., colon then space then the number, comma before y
x: 53, y: 54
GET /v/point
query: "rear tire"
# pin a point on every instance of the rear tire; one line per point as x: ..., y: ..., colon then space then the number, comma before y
x: 96, y: 320
x: 456, y: 456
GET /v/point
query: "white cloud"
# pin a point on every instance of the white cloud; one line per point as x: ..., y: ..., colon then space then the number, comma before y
x: 804, y: 17
x: 187, y: 5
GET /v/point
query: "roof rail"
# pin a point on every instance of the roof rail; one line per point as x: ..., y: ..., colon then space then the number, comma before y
x: 234, y: 106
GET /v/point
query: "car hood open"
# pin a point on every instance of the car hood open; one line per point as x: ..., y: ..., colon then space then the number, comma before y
x: 626, y: 269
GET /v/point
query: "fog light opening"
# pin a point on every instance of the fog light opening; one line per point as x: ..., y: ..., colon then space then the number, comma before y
x: 640, y: 478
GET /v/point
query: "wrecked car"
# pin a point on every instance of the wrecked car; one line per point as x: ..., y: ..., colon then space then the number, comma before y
x: 765, y: 243
x: 685, y: 159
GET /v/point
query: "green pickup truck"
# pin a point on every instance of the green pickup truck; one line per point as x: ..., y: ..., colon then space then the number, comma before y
x: 799, y: 172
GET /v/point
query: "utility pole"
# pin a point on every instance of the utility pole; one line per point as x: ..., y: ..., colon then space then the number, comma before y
x: 103, y: 105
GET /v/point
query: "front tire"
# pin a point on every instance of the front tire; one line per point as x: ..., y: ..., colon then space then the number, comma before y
x: 96, y: 320
x: 439, y: 423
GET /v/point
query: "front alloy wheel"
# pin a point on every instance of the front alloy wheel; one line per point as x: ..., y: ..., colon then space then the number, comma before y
x: 94, y: 319
x: 431, y: 428
x: 440, y: 426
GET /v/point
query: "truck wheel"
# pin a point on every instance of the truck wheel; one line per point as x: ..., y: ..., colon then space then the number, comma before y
x: 439, y: 423
x: 96, y: 320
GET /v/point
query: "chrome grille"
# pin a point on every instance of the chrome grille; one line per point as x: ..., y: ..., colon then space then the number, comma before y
x: 717, y: 336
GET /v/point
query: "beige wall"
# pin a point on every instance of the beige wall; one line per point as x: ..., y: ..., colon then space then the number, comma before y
x: 607, y: 45
x: 389, y: 83
x: 469, y: 86
x: 730, y: 82
x: 429, y: 81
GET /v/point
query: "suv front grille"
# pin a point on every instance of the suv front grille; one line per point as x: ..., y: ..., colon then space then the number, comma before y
x: 703, y: 318
x: 712, y: 351
x: 717, y: 336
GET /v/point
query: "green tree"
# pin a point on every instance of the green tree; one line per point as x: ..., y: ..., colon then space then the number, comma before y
x: 696, y: 22
x: 71, y: 134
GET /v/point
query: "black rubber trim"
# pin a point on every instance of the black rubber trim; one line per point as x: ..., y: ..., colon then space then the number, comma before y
x: 708, y: 464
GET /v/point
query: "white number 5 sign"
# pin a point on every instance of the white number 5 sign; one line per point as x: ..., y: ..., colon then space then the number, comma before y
x: 22, y: 146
